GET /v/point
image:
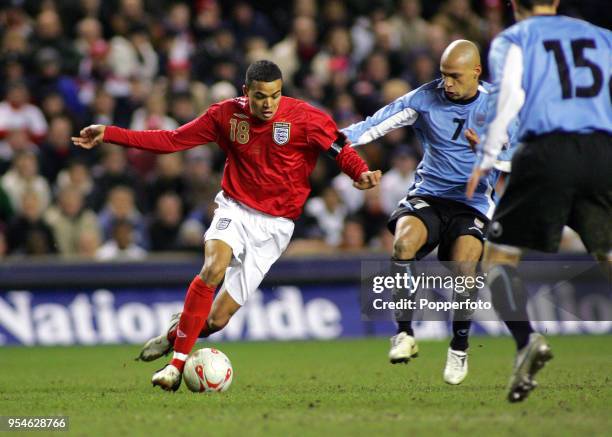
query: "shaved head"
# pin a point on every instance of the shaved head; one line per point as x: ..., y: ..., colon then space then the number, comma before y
x: 461, y: 53
x: 460, y: 68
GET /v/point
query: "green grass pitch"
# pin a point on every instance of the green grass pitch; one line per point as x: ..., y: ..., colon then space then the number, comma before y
x: 315, y: 388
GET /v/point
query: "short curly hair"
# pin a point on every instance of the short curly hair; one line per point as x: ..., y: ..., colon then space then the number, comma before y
x: 262, y: 71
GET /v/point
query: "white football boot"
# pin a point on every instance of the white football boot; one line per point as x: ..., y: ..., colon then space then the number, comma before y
x: 456, y: 368
x: 529, y: 360
x: 168, y: 378
x: 159, y: 346
x: 403, y: 348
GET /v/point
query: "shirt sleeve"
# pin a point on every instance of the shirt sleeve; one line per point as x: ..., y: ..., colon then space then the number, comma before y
x: 323, y: 132
x: 507, y: 98
x: 202, y: 130
x: 396, y: 114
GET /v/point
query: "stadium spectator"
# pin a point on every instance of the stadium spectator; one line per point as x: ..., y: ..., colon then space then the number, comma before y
x: 23, y: 177
x: 373, y: 214
x: 94, y: 69
x: 169, y: 177
x: 56, y: 152
x: 190, y: 235
x: 51, y: 80
x: 121, y: 246
x: 343, y: 186
x: 13, y: 57
x: 179, y: 35
x: 49, y: 35
x: 343, y: 107
x: 335, y: 56
x: 113, y: 171
x: 89, y: 33
x: 387, y: 42
x: 208, y: 19
x: 409, y: 26
x: 217, y: 58
x: 353, y: 236
x: 329, y: 212
x: 103, y: 107
x: 165, y: 227
x: 367, y: 90
x: 295, y: 52
x: 77, y: 175
x: 88, y: 245
x: 383, y: 242
x: 202, y: 182
x: 16, y: 141
x: 395, y: 183
x: 17, y: 113
x: 69, y: 219
x: 130, y: 13
x: 132, y: 57
x: 182, y: 107
x: 393, y: 89
x: 27, y: 233
x: 362, y: 33
x: 423, y: 68
x: 120, y: 206
x: 460, y: 21
x: 181, y: 81
x: 437, y: 40
x: 247, y: 22
x: 256, y: 49
x: 305, y: 8
x: 52, y: 105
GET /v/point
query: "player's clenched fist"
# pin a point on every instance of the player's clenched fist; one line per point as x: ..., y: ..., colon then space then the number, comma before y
x: 368, y: 179
x: 90, y: 137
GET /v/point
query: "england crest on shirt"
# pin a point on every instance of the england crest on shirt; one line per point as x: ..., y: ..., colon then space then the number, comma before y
x: 281, y: 133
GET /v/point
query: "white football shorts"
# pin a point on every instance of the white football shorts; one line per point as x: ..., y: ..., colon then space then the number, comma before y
x: 257, y: 241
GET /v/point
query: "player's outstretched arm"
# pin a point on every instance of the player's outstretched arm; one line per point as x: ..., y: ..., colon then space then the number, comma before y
x: 390, y: 117
x: 367, y: 180
x: 200, y: 131
x: 90, y: 137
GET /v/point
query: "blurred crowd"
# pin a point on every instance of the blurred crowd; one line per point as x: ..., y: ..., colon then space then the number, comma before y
x: 157, y: 64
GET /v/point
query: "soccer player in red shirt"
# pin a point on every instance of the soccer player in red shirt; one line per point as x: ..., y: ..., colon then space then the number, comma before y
x: 272, y: 144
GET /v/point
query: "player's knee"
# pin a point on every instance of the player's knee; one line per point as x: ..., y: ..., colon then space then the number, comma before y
x: 213, y: 273
x: 403, y: 248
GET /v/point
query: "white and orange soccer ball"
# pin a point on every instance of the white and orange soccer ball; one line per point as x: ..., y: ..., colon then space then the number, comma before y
x: 208, y: 370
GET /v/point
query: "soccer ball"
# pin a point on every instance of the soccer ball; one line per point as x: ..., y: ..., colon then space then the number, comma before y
x: 208, y: 370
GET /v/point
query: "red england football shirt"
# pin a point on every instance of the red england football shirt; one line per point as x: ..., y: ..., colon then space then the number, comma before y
x: 268, y: 163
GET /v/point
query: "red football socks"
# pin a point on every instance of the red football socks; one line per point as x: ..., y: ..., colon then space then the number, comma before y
x: 198, y: 303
